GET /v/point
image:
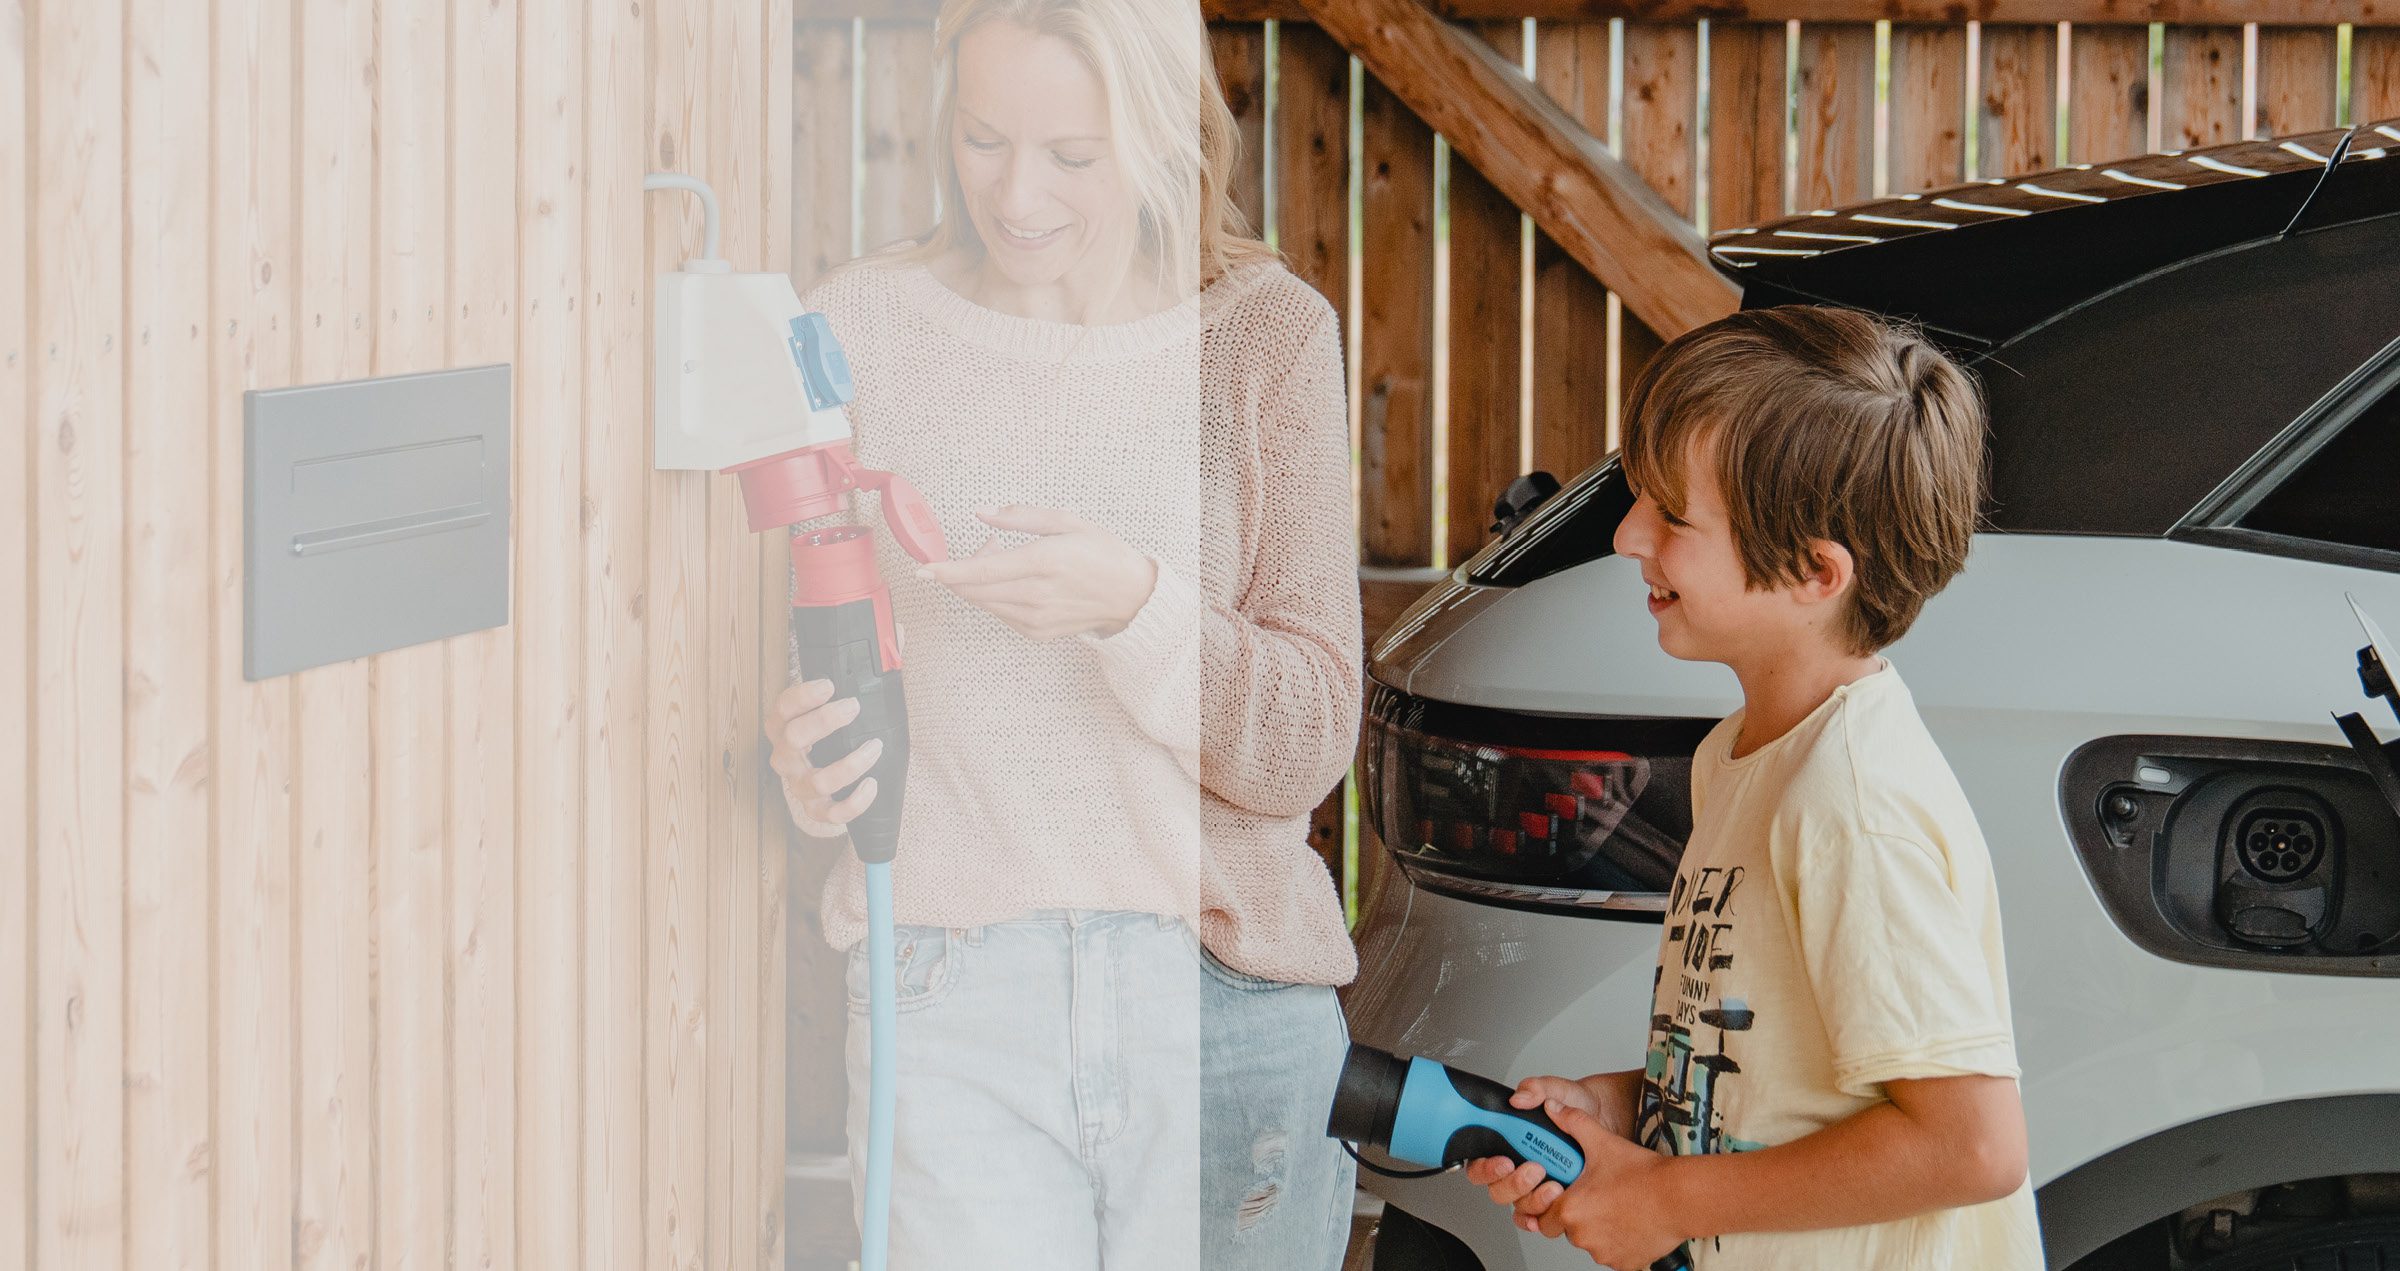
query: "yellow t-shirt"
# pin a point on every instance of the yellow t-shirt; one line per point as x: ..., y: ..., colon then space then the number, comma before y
x: 1833, y: 926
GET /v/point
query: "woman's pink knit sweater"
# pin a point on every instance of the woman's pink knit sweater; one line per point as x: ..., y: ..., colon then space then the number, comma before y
x: 1170, y: 767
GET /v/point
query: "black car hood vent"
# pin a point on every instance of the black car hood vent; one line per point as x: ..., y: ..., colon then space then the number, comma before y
x: 1977, y: 265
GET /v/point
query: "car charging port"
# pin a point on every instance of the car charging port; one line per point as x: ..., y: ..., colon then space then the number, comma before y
x: 2274, y: 887
x: 2221, y: 851
x: 2279, y: 845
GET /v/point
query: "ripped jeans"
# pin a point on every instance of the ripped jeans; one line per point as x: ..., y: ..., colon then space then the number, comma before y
x: 1086, y: 1089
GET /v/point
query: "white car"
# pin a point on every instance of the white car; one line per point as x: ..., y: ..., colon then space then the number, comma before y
x: 2193, y: 362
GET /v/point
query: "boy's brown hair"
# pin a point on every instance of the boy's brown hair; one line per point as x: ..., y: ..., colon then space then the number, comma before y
x: 1827, y: 424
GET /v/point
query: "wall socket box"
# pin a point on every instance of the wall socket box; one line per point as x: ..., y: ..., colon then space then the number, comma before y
x: 375, y: 516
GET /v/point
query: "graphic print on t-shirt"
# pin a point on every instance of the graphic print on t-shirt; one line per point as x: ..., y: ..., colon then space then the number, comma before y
x: 1691, y: 1062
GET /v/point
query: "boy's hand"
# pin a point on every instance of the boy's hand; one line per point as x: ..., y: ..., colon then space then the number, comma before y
x: 1520, y: 1186
x: 1618, y: 1211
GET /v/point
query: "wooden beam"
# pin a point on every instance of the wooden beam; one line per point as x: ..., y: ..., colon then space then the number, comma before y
x: 2193, y: 12
x: 1546, y: 163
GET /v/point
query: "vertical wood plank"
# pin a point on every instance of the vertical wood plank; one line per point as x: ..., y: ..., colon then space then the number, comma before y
x: 2201, y: 86
x: 16, y: 663
x: 1312, y: 229
x: 1485, y: 336
x: 738, y: 103
x: 2375, y: 75
x: 2018, y: 113
x: 2108, y: 93
x: 1241, y: 57
x: 676, y: 740
x: 1312, y: 159
x: 549, y: 732
x: 813, y: 1080
x: 482, y: 666
x: 1837, y: 113
x: 411, y: 329
x: 1570, y: 307
x: 250, y: 328
x: 777, y: 836
x: 168, y: 1059
x: 1396, y: 334
x: 1747, y: 91
x: 78, y: 690
x: 334, y: 1216
x: 821, y: 135
x: 1660, y: 111
x: 1927, y: 145
x: 2297, y: 72
x: 896, y: 138
x: 615, y: 512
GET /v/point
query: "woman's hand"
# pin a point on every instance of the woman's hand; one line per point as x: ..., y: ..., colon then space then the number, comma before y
x: 1075, y: 577
x: 801, y: 716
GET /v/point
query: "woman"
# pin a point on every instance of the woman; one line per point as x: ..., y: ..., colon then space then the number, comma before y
x: 1118, y: 1035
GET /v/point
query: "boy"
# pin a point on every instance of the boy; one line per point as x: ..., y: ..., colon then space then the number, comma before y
x: 1831, y: 1072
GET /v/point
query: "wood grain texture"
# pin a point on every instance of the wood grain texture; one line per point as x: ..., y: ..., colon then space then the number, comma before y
x: 334, y: 1214
x: 1485, y: 332
x: 1395, y: 342
x: 2275, y: 12
x: 822, y: 127
x: 676, y: 764
x: 614, y: 520
x: 1571, y: 407
x: 1659, y: 142
x: 482, y: 815
x: 2298, y: 74
x: 1547, y: 163
x: 735, y: 1047
x: 1927, y: 144
x: 265, y: 980
x: 253, y: 251
x: 1396, y: 334
x: 1312, y: 149
x: 1747, y: 93
x: 2200, y: 89
x: 2108, y: 93
x: 763, y: 1100
x: 2374, y: 76
x: 549, y: 730
x: 1836, y: 94
x: 1240, y: 51
x: 169, y: 784
x: 411, y: 861
x: 18, y: 926
x: 896, y: 135
x: 2017, y: 109
x: 78, y: 696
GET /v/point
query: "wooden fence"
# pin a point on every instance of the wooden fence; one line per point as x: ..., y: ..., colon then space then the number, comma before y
x: 451, y: 956
x: 1477, y: 348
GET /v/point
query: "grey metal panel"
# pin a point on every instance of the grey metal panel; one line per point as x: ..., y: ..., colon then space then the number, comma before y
x: 376, y: 516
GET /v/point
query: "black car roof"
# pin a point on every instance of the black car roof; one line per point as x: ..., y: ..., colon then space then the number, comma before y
x: 2143, y: 328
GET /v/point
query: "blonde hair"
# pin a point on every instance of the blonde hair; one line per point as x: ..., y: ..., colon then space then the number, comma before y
x: 1828, y: 425
x: 1155, y: 70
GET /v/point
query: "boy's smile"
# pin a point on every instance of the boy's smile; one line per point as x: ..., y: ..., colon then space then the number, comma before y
x: 1699, y: 593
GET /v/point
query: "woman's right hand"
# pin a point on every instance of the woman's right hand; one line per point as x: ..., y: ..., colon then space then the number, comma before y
x: 801, y: 716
